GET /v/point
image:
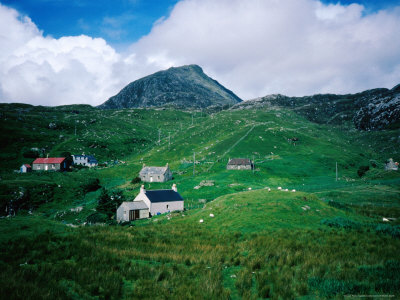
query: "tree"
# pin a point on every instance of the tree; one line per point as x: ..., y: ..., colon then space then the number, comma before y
x: 108, y: 202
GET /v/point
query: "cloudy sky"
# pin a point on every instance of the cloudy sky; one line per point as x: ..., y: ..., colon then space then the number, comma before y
x: 55, y: 52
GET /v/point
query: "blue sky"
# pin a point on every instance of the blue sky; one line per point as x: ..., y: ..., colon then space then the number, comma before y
x: 64, y: 52
x: 119, y: 22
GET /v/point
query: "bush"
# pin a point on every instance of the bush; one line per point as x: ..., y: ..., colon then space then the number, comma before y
x: 394, y: 231
x: 96, y: 218
x: 91, y: 185
x: 340, y: 222
x: 337, y: 205
x: 136, y: 180
x: 362, y: 170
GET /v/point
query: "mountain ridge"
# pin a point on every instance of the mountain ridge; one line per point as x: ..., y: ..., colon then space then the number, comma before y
x: 374, y: 109
x: 183, y: 87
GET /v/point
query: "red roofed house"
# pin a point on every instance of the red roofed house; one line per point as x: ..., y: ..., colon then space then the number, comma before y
x: 50, y: 164
x: 25, y: 168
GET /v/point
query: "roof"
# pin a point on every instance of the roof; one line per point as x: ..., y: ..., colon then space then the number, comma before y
x: 132, y: 205
x: 153, y: 170
x: 163, y: 196
x: 239, y: 161
x: 49, y: 160
x: 27, y: 165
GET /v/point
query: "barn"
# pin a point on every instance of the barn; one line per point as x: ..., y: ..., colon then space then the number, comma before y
x: 50, y: 164
x: 240, y: 164
x: 155, y: 174
x: 133, y: 210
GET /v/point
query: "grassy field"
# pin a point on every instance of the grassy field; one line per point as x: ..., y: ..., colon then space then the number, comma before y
x: 325, y: 240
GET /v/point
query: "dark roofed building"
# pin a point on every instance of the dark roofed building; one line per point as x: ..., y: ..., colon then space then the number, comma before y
x: 85, y: 160
x: 240, y: 164
x: 161, y: 201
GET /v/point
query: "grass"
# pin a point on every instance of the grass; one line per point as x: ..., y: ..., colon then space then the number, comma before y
x: 259, y: 244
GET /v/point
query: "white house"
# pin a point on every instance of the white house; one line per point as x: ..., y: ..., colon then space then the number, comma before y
x: 85, y: 160
x: 161, y: 201
x: 133, y: 210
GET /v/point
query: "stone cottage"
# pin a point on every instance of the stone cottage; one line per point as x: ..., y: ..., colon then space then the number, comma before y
x: 155, y: 174
x: 50, y: 164
x: 240, y: 164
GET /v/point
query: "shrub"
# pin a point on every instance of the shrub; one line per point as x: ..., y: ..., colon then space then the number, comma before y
x: 394, y: 231
x: 362, y: 170
x: 340, y: 222
x: 337, y: 205
x: 91, y: 185
x: 136, y: 180
x: 96, y: 218
x: 109, y: 202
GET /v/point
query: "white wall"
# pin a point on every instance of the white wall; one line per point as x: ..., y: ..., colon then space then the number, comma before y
x: 161, y: 207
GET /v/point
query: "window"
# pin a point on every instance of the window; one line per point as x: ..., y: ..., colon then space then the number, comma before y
x: 167, y: 206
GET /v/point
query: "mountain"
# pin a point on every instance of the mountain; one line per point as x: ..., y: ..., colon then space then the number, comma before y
x: 185, y: 87
x: 374, y: 109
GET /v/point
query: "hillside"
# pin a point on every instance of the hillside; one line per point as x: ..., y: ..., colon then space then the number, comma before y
x: 369, y: 110
x: 182, y: 87
x: 322, y: 241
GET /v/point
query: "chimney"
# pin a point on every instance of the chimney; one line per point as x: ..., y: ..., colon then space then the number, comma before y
x: 167, y: 165
x: 144, y: 165
x: 47, y: 155
x: 174, y: 188
x: 142, y: 189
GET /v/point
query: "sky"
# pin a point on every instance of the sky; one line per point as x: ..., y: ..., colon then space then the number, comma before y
x: 57, y: 52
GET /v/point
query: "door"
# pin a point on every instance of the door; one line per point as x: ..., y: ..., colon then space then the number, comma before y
x: 133, y: 215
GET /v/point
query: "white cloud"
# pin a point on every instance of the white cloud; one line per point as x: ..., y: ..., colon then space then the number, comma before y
x: 254, y: 47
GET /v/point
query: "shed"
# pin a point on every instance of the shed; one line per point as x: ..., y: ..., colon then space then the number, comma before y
x: 240, y: 164
x: 25, y: 168
x: 50, y: 164
x: 133, y: 210
x: 155, y: 174
x: 161, y: 201
x: 391, y: 165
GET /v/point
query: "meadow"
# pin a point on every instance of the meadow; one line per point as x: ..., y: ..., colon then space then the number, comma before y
x: 325, y: 240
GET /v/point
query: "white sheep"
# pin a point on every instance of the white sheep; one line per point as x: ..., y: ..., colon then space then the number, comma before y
x: 212, y: 215
x: 201, y: 221
x: 293, y: 190
x: 279, y: 188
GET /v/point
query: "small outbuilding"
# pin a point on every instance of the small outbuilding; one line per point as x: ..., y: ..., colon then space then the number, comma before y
x: 240, y: 164
x: 155, y: 174
x: 161, y: 201
x: 25, y: 168
x: 391, y: 165
x: 131, y: 211
x: 85, y: 160
x: 50, y: 164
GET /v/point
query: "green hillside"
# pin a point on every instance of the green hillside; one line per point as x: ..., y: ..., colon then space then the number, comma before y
x: 326, y: 239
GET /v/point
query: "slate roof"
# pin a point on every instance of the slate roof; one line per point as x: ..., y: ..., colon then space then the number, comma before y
x: 163, y: 196
x: 133, y: 205
x: 49, y: 160
x: 90, y: 158
x: 153, y: 170
x: 239, y: 161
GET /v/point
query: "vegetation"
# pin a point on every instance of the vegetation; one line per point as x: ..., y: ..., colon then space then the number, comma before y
x: 325, y: 239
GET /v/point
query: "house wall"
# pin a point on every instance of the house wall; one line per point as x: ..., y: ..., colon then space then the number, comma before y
x: 50, y: 167
x: 157, y: 177
x: 123, y: 213
x: 161, y: 207
x: 238, y: 167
